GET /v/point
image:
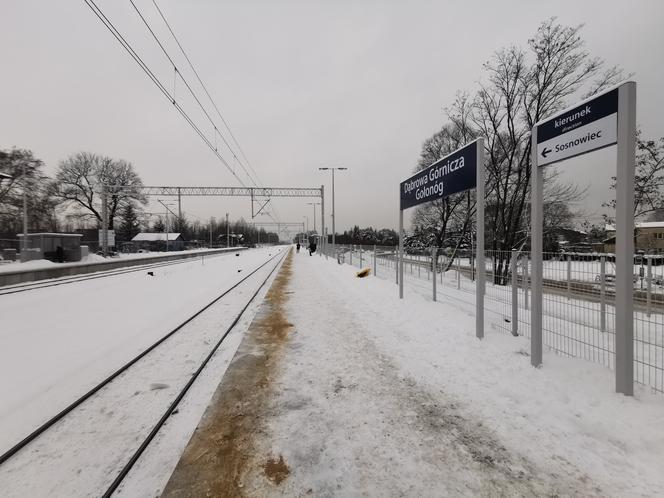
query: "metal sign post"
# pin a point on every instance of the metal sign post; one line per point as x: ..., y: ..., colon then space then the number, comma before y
x: 598, y: 122
x: 104, y: 221
x: 459, y: 171
x: 480, y: 283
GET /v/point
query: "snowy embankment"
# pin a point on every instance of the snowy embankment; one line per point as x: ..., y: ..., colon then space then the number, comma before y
x: 61, y: 341
x: 387, y: 397
x: 40, y: 264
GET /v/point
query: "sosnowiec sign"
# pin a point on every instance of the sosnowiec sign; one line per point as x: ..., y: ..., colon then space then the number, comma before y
x: 584, y: 128
x: 454, y: 173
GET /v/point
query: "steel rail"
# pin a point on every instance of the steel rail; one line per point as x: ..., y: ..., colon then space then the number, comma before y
x: 68, y: 409
x: 137, y: 454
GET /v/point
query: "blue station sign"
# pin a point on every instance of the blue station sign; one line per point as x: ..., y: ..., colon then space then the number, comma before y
x: 452, y: 174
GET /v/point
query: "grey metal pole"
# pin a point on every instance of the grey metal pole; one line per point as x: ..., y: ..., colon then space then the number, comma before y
x: 481, y: 267
x: 515, y: 295
x: 360, y: 256
x: 322, y: 219
x: 602, y: 293
x: 228, y: 233
x: 649, y: 286
x: 458, y: 273
x: 569, y: 276
x: 526, y: 283
x: 24, y: 242
x: 334, y: 229
x: 400, y: 255
x: 536, y: 220
x: 210, y: 233
x: 625, y: 238
x: 374, y: 260
x: 167, y: 228
x: 179, y: 209
x: 104, y: 221
x: 433, y: 265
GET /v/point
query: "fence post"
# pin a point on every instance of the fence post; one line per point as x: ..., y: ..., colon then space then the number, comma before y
x: 526, y: 281
x: 649, y: 286
x: 458, y: 272
x: 396, y: 266
x: 374, y: 261
x: 360, y: 257
x: 602, y: 293
x: 433, y: 265
x: 515, y: 295
x: 351, y: 254
x: 569, y: 276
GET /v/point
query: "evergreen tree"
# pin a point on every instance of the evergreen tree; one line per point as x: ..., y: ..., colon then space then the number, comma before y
x: 129, y: 224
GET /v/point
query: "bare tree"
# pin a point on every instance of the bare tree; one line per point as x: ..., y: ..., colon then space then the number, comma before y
x: 25, y: 176
x: 522, y: 88
x: 437, y: 222
x: 79, y: 182
x: 648, y: 178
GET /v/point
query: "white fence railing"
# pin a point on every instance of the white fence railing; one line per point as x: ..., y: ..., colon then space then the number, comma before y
x: 578, y: 302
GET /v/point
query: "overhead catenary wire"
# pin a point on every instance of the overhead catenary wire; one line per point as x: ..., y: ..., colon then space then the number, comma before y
x: 188, y: 86
x: 134, y: 55
x: 223, y: 120
x: 256, y: 180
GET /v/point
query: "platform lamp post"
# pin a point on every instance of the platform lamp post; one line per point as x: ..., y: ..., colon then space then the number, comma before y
x: 334, y: 246
x: 307, y: 218
x: 314, y: 204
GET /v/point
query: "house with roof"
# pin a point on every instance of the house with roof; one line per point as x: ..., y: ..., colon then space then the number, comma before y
x: 159, y: 241
x: 648, y: 237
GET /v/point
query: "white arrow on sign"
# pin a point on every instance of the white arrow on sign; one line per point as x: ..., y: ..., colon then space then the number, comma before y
x: 595, y: 135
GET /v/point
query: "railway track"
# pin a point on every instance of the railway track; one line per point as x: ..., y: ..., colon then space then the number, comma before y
x: 109, y: 395
x: 16, y: 288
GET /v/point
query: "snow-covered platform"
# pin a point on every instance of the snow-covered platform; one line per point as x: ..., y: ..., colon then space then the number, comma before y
x: 340, y: 389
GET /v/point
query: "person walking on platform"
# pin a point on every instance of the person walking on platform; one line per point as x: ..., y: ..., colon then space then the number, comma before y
x: 312, y: 245
x: 297, y: 247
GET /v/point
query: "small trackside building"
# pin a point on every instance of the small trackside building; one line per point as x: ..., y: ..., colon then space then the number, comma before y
x: 159, y: 241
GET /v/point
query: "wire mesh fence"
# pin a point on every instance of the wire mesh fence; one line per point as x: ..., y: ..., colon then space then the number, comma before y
x: 578, y: 297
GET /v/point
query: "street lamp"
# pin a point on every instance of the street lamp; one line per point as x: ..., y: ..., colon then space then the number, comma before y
x: 314, y: 204
x: 333, y: 215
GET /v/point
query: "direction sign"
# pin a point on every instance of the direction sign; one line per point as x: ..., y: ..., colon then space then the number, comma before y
x: 111, y: 237
x: 451, y: 174
x: 589, y: 126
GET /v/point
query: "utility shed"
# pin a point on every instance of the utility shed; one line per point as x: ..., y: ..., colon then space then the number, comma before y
x: 57, y: 247
x: 159, y: 241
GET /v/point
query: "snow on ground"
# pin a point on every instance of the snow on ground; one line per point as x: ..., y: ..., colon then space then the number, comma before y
x: 61, y: 341
x: 82, y: 454
x: 383, y: 397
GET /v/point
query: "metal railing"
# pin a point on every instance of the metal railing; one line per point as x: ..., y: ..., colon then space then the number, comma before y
x: 578, y: 301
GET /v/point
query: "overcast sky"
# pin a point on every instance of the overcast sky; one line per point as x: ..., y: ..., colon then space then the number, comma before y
x: 303, y: 84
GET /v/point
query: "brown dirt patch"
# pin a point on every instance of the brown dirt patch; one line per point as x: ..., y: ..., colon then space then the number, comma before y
x: 276, y: 470
x: 221, y: 450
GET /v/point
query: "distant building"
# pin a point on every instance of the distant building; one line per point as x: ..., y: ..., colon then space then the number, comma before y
x: 159, y: 241
x: 56, y: 247
x: 648, y: 237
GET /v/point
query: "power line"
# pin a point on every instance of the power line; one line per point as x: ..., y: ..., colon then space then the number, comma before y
x: 191, y: 91
x: 191, y: 65
x: 134, y: 55
x: 256, y: 179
